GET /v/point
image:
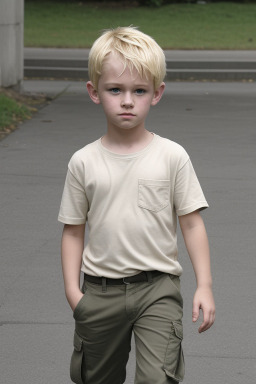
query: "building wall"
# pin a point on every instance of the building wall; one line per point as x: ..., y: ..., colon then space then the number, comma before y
x: 11, y: 42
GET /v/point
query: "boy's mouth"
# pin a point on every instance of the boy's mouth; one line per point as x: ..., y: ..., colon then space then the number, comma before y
x: 126, y: 114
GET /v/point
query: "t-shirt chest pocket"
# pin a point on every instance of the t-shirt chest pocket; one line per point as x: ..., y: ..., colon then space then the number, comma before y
x: 153, y: 195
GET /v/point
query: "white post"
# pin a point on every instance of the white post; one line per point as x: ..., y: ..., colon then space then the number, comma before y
x: 11, y: 43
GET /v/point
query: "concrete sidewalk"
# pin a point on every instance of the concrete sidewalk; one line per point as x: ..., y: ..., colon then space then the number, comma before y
x: 215, y: 122
x: 181, y: 65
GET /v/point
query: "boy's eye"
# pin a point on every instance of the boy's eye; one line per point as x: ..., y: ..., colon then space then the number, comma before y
x: 140, y: 91
x: 115, y: 91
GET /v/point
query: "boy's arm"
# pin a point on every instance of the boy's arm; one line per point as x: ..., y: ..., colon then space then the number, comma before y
x: 71, y: 256
x: 196, y: 240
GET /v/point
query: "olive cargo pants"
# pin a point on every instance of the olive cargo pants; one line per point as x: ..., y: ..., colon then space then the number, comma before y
x: 105, y: 319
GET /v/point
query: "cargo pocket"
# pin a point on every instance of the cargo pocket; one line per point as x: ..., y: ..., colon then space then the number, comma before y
x: 153, y: 195
x: 174, y: 365
x: 77, y: 360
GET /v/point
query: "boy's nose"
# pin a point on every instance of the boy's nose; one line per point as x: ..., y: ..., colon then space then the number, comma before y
x: 127, y: 101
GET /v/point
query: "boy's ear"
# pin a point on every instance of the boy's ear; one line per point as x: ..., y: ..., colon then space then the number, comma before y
x: 158, y: 94
x: 93, y: 93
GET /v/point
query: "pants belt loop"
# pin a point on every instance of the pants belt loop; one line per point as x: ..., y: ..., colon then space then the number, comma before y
x: 149, y: 277
x: 104, y: 284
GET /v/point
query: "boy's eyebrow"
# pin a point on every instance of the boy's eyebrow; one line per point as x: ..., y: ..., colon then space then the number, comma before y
x: 117, y: 84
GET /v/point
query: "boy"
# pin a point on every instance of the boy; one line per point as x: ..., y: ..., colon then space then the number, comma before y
x: 130, y: 186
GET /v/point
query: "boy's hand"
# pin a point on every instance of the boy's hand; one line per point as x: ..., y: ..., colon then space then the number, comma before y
x: 204, y: 300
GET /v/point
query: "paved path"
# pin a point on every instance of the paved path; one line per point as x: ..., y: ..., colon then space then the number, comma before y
x: 215, y: 122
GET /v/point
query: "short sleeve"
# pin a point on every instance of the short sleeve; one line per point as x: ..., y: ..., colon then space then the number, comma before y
x: 188, y: 194
x: 74, y: 203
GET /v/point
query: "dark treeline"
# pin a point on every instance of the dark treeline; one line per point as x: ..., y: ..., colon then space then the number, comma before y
x: 148, y: 3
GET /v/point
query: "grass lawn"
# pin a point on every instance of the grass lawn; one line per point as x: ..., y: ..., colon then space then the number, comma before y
x: 11, y: 112
x: 16, y: 107
x: 174, y: 26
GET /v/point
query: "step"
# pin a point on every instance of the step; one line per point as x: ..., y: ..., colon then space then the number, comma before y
x: 176, y: 69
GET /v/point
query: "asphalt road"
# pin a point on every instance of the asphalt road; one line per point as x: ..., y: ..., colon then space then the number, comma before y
x: 216, y: 123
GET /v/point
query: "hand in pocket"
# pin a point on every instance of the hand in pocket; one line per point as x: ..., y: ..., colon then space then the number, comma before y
x: 74, y: 299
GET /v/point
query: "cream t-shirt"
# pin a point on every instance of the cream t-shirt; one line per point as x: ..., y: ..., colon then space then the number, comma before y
x: 130, y: 203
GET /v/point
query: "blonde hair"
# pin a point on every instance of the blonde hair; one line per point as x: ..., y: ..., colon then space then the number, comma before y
x: 136, y: 50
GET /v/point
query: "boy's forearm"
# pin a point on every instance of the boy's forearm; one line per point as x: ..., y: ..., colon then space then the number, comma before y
x: 71, y: 257
x: 198, y: 249
x: 196, y: 241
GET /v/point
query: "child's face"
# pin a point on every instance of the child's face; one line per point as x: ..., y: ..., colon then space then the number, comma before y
x: 125, y: 98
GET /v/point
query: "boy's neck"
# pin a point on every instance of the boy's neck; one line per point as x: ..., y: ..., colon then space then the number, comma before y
x: 125, y: 142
